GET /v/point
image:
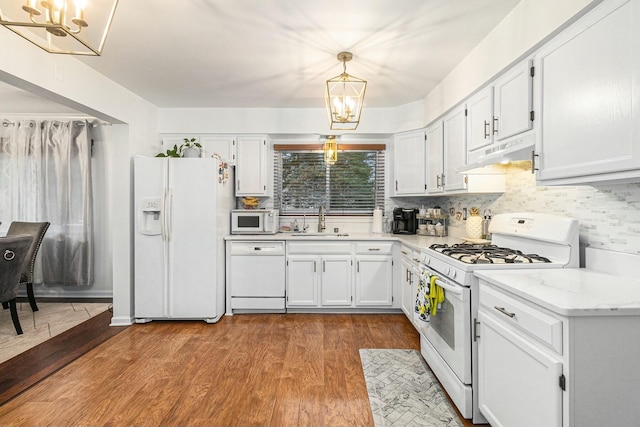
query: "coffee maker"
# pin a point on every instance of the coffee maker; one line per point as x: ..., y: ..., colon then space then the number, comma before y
x: 405, y: 221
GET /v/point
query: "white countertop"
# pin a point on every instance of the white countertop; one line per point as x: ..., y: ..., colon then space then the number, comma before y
x: 571, y: 291
x: 417, y: 242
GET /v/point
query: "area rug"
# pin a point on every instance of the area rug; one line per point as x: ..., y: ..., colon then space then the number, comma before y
x: 403, y: 391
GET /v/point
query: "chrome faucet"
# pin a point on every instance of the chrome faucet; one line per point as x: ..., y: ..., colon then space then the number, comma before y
x: 321, y: 219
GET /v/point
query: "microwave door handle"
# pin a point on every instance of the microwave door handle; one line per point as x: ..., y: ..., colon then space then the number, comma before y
x: 453, y: 289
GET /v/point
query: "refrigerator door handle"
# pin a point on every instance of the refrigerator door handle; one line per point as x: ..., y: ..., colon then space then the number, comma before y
x: 163, y: 230
x: 168, y: 210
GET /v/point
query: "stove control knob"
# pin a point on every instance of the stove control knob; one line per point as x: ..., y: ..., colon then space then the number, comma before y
x: 452, y: 273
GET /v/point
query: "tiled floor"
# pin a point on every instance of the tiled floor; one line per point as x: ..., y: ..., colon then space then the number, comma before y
x: 51, y: 320
x: 403, y: 391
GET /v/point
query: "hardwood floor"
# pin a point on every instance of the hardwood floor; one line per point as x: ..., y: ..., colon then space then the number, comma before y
x: 246, y: 370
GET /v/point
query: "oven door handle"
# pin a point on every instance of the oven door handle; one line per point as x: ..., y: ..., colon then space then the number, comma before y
x: 453, y: 289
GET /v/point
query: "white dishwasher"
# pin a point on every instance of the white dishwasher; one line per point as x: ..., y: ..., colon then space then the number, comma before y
x: 256, y: 275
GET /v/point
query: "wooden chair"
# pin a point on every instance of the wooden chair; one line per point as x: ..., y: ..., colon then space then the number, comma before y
x: 13, y: 256
x: 36, y: 230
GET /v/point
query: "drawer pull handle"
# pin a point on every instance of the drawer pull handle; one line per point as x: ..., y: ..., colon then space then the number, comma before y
x: 374, y: 249
x: 405, y: 252
x: 503, y: 311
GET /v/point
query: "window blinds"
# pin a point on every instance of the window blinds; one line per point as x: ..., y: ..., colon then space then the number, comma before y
x: 353, y: 185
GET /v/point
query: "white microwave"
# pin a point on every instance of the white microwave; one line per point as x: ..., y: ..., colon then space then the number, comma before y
x: 254, y: 221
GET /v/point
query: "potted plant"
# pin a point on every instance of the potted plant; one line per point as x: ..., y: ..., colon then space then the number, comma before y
x: 189, y: 148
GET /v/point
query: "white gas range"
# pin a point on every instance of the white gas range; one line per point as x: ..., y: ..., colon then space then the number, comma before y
x: 520, y: 240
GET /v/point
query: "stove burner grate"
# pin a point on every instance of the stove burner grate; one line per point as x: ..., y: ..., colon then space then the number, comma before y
x: 486, y: 254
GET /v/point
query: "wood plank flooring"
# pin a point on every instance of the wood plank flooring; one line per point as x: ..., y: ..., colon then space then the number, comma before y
x: 246, y: 370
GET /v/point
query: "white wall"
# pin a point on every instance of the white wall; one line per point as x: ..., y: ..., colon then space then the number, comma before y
x: 68, y: 81
x: 278, y: 120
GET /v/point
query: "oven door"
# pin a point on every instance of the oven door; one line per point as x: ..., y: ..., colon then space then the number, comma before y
x: 449, y: 330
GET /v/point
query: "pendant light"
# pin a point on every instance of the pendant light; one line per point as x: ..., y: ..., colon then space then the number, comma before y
x: 344, y: 97
x: 330, y: 150
x: 61, y: 26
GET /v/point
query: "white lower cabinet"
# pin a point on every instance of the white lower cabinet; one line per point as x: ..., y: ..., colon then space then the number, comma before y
x: 335, y: 279
x: 374, y: 274
x: 540, y: 368
x: 339, y: 275
x: 518, y: 380
x: 319, y: 274
x: 408, y: 279
x: 302, y: 280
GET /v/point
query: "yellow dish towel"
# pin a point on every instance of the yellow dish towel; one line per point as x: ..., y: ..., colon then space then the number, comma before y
x: 436, y: 295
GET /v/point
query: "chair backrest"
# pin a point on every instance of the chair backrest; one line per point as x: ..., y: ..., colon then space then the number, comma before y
x: 13, y: 256
x: 36, y: 230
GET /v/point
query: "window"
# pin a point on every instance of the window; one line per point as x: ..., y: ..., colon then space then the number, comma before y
x: 353, y: 185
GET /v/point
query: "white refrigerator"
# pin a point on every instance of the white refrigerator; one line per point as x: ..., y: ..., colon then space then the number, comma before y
x: 182, y: 214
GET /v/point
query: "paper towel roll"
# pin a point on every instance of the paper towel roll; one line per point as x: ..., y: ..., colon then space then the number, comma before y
x: 377, y: 221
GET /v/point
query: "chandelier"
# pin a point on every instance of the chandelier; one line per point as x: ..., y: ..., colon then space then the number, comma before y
x: 344, y: 97
x: 61, y: 26
x: 331, y: 150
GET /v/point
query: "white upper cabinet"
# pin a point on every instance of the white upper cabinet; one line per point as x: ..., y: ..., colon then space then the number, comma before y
x: 589, y: 81
x: 223, y: 145
x: 513, y: 102
x: 455, y: 148
x: 251, y: 166
x: 409, y: 164
x: 435, y: 158
x: 500, y: 113
x: 479, y: 119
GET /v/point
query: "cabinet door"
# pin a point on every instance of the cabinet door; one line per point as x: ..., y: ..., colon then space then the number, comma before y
x: 455, y: 150
x: 224, y: 145
x: 479, y: 119
x: 434, y: 158
x: 513, y: 95
x: 251, y: 169
x: 517, y: 381
x: 336, y: 280
x: 302, y: 281
x: 408, y: 299
x: 374, y: 280
x: 589, y: 80
x: 409, y: 154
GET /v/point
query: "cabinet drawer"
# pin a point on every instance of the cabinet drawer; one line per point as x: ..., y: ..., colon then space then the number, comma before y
x: 382, y: 248
x: 409, y: 254
x: 524, y: 317
x: 315, y: 248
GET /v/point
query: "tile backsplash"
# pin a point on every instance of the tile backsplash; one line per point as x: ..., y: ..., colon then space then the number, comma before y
x: 609, y: 215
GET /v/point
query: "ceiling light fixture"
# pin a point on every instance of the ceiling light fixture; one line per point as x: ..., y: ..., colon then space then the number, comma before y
x: 331, y: 150
x: 344, y: 97
x: 60, y: 26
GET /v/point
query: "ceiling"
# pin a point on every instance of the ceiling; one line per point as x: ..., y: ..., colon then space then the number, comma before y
x: 279, y: 53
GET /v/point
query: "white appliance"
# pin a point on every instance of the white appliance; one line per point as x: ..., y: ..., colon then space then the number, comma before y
x: 254, y: 221
x: 181, y: 217
x: 448, y: 341
x: 248, y: 291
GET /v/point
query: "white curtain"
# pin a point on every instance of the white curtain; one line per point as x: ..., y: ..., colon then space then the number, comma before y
x: 45, y: 169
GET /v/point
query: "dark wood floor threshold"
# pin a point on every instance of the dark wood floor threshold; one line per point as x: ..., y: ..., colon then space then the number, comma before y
x: 28, y: 368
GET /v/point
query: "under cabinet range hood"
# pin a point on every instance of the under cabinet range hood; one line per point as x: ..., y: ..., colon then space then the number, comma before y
x: 512, y: 150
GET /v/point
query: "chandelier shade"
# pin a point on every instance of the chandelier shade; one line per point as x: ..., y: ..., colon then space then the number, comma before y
x: 70, y: 27
x: 344, y: 97
x: 330, y: 150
